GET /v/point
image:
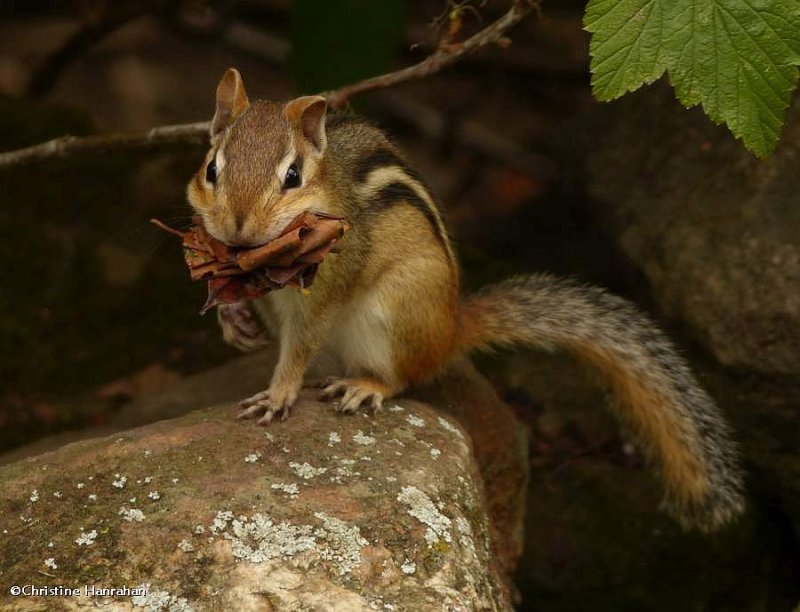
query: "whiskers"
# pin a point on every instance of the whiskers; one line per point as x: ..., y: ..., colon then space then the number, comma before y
x: 154, y: 239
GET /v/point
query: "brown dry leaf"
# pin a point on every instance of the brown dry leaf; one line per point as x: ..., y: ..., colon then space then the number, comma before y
x: 239, y: 274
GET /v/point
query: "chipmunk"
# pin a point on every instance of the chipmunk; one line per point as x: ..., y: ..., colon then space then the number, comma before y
x: 389, y: 306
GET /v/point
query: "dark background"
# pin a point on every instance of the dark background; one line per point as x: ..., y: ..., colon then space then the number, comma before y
x: 96, y: 310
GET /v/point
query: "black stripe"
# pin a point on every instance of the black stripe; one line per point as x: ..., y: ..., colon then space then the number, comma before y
x: 397, y: 193
x: 385, y: 158
x: 380, y: 158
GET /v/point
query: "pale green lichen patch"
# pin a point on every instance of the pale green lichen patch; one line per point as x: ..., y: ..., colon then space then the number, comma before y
x: 422, y: 508
x: 306, y: 470
x: 414, y: 420
x: 261, y: 538
x: 155, y: 600
x: 466, y: 538
x: 185, y: 546
x: 86, y: 538
x: 291, y: 489
x: 447, y: 425
x: 361, y: 438
x: 343, y: 542
x: 131, y: 514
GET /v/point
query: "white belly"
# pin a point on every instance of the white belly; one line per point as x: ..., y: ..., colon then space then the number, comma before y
x: 360, y: 339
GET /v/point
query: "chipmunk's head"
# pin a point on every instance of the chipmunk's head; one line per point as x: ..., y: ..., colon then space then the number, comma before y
x: 264, y: 166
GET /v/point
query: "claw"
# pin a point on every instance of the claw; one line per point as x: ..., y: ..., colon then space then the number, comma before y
x: 332, y: 388
x: 267, y: 405
x: 266, y: 419
x: 376, y: 404
x: 254, y: 400
x: 355, y: 393
x: 250, y: 412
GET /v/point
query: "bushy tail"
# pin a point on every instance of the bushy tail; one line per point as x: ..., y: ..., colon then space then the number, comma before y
x: 677, y: 423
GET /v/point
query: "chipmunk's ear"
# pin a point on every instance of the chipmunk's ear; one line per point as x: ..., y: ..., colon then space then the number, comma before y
x: 307, y: 114
x: 231, y: 101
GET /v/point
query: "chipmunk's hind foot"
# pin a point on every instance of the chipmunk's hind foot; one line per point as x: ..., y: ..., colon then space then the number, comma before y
x: 355, y: 393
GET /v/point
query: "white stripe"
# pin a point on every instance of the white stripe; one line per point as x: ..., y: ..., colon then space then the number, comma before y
x: 383, y: 176
x: 287, y: 161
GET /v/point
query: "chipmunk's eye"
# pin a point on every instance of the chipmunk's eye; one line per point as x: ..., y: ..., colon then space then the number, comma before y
x: 211, y: 171
x: 292, y: 177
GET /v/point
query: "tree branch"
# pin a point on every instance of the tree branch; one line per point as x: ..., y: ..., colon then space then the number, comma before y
x: 66, y: 146
x: 441, y: 58
x: 197, y: 133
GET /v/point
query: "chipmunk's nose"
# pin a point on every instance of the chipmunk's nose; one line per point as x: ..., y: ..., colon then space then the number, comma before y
x: 236, y: 231
x: 238, y: 221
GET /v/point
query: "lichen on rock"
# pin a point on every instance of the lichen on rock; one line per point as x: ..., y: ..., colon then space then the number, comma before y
x: 361, y: 519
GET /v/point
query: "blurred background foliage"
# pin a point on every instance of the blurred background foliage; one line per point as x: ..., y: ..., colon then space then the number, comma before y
x: 361, y: 39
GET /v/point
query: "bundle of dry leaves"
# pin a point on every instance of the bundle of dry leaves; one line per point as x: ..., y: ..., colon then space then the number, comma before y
x: 239, y: 274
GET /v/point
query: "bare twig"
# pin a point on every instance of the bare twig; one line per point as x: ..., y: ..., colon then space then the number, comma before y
x: 197, y: 133
x: 441, y: 58
x: 65, y: 146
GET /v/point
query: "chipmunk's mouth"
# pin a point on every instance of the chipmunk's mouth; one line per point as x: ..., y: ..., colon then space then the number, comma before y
x: 230, y: 235
x: 236, y: 275
x: 239, y: 238
x: 279, y: 223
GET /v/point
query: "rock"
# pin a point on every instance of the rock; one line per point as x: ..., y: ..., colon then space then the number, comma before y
x: 595, y: 538
x: 321, y: 511
x: 596, y: 542
x: 228, y: 382
x: 500, y: 446
x: 764, y: 413
x: 713, y: 229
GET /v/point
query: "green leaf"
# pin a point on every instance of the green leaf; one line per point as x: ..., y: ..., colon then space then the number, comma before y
x: 628, y: 48
x: 737, y: 58
x: 336, y: 42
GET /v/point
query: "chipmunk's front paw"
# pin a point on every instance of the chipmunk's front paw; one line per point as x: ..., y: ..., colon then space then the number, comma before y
x: 241, y: 327
x: 355, y: 392
x: 275, y: 402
